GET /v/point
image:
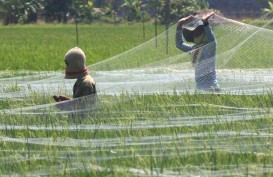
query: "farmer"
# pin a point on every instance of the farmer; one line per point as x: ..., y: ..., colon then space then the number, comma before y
x: 203, y: 49
x: 76, y: 69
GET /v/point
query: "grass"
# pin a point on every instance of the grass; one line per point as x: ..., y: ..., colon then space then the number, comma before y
x: 155, y: 133
x: 35, y: 47
x: 42, y: 47
x: 127, y: 135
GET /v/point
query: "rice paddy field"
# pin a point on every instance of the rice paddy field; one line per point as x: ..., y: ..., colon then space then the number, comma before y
x: 134, y: 133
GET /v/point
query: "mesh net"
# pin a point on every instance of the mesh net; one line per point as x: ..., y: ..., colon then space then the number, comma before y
x: 242, y: 63
x: 243, y: 66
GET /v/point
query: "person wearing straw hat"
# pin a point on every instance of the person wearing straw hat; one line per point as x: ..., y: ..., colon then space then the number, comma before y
x: 203, y: 49
x: 76, y: 69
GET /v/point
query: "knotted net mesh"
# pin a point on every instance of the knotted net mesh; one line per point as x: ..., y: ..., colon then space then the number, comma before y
x: 243, y: 67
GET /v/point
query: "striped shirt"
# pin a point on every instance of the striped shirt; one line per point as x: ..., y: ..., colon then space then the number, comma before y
x: 204, y: 55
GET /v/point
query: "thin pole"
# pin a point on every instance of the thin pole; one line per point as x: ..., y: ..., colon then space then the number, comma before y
x: 77, y: 33
x: 143, y: 25
x: 156, y: 2
x: 76, y: 24
x: 167, y: 21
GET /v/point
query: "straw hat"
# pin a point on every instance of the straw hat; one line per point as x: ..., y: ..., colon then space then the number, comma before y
x: 75, y: 63
x: 193, y: 29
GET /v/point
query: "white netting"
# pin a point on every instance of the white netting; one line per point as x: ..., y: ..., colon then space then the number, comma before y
x: 243, y: 64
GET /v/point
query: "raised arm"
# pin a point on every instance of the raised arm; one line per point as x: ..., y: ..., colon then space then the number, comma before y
x: 178, y: 37
x: 208, y: 30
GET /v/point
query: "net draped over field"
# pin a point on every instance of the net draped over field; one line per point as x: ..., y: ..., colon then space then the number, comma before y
x: 244, y: 63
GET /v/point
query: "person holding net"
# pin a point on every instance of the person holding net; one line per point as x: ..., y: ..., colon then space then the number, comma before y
x: 203, y: 49
x: 76, y: 69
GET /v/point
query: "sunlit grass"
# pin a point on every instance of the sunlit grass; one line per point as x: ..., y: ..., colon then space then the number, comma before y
x: 126, y: 135
x: 139, y: 132
x: 33, y: 47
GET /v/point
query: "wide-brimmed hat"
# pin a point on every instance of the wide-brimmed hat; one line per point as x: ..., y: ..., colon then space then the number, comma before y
x: 192, y: 29
x: 75, y: 63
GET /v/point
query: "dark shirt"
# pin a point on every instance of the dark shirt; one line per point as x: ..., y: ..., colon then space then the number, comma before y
x: 84, y: 86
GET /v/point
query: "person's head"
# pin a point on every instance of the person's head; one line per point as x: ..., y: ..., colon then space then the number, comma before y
x: 75, y: 63
x: 194, y: 32
x: 198, y: 35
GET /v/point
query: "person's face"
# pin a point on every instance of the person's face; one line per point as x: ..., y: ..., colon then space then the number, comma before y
x: 199, y: 39
x: 66, y: 64
x: 198, y: 35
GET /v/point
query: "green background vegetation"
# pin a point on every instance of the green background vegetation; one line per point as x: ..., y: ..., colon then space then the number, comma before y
x: 42, y: 48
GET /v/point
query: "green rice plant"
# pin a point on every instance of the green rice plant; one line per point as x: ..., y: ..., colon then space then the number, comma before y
x: 129, y: 135
x: 34, y: 47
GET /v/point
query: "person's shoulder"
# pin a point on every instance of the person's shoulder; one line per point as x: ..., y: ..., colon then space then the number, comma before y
x: 88, y: 79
